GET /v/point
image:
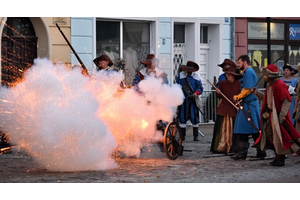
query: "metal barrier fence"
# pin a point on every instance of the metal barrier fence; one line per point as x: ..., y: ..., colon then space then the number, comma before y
x: 209, y: 101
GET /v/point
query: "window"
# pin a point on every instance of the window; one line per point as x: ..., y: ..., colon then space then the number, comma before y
x: 21, y: 26
x: 129, y: 40
x: 203, y: 34
x: 134, y: 34
x: 294, y: 55
x: 259, y: 53
x: 108, y: 38
x: 258, y: 30
x: 179, y: 35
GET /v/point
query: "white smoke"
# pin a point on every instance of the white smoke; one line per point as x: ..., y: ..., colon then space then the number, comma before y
x: 70, y: 122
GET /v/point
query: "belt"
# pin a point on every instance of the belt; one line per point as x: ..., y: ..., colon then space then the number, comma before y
x: 293, y: 95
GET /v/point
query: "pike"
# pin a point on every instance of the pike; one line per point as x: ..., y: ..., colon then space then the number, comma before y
x: 74, y: 52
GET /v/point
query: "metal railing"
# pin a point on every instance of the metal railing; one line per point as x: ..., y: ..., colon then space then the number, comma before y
x: 209, y: 103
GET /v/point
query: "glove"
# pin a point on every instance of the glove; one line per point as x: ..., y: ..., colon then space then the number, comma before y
x: 245, y: 92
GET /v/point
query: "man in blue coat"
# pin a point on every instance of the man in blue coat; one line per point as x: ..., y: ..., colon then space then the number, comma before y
x: 191, y: 84
x: 250, y: 105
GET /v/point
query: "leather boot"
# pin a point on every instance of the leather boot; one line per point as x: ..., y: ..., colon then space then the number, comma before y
x: 183, y: 133
x: 243, y: 151
x: 260, y: 153
x: 195, y: 133
x: 279, y: 160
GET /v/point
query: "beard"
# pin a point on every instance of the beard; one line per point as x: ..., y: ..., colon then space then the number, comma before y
x: 242, y: 67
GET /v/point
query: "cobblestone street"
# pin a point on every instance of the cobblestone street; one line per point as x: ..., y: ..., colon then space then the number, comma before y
x: 154, y: 167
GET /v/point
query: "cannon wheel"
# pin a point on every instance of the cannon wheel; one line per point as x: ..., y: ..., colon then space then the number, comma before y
x: 172, y: 140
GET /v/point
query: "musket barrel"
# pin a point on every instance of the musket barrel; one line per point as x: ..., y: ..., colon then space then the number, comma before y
x: 74, y: 52
x: 223, y: 95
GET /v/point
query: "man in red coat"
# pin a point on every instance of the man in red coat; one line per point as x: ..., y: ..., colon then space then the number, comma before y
x: 277, y: 131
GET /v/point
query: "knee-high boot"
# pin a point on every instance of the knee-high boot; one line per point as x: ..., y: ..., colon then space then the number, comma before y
x: 183, y: 133
x: 195, y: 133
x: 242, y: 152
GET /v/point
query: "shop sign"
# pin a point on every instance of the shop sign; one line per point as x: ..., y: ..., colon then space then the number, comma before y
x: 294, y: 30
x: 258, y: 30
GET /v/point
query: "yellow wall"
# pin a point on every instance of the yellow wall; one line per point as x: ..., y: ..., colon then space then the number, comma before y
x: 60, y: 50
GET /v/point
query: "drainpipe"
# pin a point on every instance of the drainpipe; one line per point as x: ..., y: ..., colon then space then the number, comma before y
x: 232, y: 28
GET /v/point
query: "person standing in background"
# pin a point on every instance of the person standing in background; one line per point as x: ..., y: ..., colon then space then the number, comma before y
x: 291, y: 84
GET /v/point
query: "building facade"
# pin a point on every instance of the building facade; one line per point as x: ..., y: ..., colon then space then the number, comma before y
x: 174, y: 41
x: 251, y: 39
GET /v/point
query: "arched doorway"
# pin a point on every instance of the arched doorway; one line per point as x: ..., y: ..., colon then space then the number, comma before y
x: 18, y: 49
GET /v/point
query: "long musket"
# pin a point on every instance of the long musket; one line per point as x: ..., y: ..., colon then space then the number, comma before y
x: 240, y: 107
x: 74, y: 52
x: 223, y: 95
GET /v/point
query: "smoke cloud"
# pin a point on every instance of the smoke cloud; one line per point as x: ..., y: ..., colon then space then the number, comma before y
x: 70, y: 122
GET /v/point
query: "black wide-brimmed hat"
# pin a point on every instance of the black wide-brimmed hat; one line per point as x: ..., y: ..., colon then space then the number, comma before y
x: 103, y: 57
x: 190, y: 66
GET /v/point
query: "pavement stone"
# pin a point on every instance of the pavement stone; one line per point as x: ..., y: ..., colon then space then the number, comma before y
x: 154, y: 167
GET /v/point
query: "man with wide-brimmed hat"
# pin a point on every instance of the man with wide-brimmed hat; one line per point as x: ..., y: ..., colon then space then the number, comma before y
x: 103, y: 62
x: 291, y: 83
x: 278, y: 132
x: 223, y: 140
x: 151, y: 69
x: 191, y: 84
